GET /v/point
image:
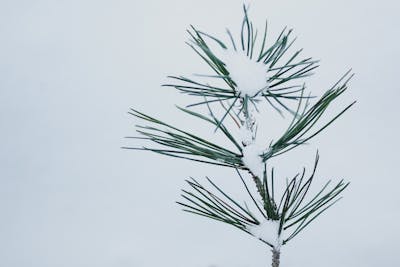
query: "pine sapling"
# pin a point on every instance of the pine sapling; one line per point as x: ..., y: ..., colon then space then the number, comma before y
x: 246, y: 73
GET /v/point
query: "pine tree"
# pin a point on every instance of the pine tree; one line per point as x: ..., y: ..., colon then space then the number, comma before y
x: 247, y: 73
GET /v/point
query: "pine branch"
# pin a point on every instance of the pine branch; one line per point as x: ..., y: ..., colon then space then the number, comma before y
x: 304, y: 121
x: 291, y: 212
x: 183, y: 144
x: 279, y: 74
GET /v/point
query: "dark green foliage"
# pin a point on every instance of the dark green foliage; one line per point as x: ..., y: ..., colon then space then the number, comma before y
x: 293, y: 209
x: 183, y: 144
x: 304, y: 120
x: 282, y: 74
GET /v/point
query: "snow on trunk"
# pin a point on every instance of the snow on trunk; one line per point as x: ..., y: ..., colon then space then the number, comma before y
x: 268, y: 231
x: 252, y: 159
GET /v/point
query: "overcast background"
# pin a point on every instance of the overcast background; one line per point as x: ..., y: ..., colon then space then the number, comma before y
x: 70, y: 197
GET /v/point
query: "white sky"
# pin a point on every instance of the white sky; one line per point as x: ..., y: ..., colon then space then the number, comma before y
x: 69, y: 72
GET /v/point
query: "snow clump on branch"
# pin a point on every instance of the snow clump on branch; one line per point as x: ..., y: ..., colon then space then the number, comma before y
x: 249, y: 75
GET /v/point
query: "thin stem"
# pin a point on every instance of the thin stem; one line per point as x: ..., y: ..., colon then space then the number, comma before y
x: 276, y: 254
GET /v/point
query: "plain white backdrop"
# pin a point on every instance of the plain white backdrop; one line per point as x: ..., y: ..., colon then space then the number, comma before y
x: 70, y: 197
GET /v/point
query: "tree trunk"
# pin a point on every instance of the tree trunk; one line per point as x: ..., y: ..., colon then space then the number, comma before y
x: 275, y: 257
